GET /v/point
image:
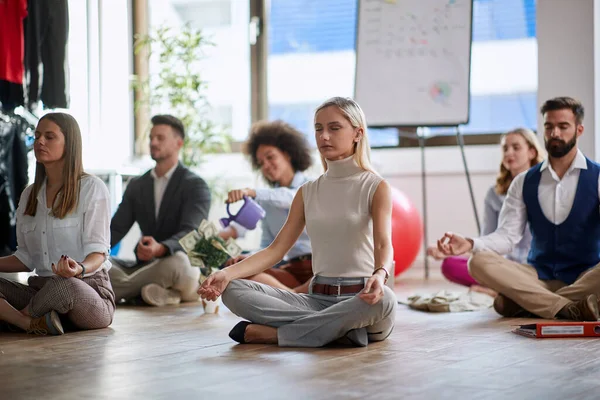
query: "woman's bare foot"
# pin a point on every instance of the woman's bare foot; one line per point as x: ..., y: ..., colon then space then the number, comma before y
x: 483, y: 289
x: 260, y: 334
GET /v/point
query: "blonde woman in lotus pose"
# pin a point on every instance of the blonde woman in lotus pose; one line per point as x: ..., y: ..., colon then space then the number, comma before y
x: 347, y: 214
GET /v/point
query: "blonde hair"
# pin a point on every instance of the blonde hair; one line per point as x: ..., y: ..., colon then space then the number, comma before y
x: 505, y: 177
x: 67, y: 198
x: 353, y: 114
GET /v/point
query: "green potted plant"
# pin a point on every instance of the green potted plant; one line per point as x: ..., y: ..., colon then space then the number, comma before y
x: 177, y: 87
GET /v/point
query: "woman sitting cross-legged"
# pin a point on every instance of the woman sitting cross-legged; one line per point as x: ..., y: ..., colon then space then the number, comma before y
x: 63, y: 233
x: 347, y: 214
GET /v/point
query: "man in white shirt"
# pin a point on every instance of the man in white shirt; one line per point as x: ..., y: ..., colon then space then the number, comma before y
x: 167, y: 202
x: 559, y: 198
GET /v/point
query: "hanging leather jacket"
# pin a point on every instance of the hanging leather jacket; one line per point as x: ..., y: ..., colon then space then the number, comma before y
x: 13, y: 175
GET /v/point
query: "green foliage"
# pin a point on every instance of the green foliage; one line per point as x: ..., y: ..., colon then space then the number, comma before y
x: 212, y: 251
x: 177, y: 87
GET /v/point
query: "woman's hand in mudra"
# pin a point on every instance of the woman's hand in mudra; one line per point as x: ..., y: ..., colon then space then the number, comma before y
x: 214, y: 286
x: 66, y: 267
x: 373, y: 290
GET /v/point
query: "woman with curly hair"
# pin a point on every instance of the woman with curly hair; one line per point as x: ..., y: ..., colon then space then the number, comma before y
x: 281, y: 153
x: 521, y: 151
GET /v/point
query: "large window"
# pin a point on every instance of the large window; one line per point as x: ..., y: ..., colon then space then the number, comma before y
x: 226, y: 67
x: 312, y: 57
x: 98, y: 72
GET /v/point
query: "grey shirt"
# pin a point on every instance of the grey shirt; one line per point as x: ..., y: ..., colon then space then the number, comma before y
x: 491, y: 214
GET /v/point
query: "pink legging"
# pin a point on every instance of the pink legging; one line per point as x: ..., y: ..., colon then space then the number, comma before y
x: 455, y: 269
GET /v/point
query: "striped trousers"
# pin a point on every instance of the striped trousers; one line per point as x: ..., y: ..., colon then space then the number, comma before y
x: 87, y: 303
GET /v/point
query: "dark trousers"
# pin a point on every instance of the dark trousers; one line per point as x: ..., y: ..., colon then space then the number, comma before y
x: 46, y: 34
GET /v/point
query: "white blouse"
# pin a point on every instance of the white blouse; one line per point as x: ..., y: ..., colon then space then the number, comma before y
x: 42, y: 239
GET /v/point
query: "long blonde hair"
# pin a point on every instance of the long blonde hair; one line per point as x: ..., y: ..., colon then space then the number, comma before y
x: 67, y: 197
x: 505, y: 177
x: 354, y: 114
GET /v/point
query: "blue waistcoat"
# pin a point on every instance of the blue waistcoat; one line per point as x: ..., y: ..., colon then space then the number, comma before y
x: 566, y: 250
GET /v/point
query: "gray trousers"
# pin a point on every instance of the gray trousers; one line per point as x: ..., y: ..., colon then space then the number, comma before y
x: 311, y: 320
x: 171, y: 272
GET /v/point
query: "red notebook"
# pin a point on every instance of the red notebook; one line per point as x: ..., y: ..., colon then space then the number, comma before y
x: 559, y: 329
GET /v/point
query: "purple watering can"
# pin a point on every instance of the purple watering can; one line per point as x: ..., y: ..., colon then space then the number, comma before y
x: 247, y: 216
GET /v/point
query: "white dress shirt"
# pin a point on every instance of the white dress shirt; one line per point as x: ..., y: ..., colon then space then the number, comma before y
x: 160, y: 185
x: 491, y: 217
x: 42, y: 239
x: 556, y: 198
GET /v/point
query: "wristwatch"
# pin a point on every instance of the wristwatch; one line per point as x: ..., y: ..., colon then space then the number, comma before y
x: 387, y: 274
x: 82, y: 270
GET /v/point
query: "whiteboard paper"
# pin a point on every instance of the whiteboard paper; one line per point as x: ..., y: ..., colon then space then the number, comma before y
x: 413, y: 61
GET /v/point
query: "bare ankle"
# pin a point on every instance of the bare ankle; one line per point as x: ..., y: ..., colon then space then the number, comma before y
x: 25, y: 322
x: 260, y: 334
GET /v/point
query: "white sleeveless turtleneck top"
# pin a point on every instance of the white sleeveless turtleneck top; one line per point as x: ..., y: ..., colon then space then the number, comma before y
x: 337, y: 209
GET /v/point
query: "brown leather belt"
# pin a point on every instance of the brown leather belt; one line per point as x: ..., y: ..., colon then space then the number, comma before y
x: 336, y: 290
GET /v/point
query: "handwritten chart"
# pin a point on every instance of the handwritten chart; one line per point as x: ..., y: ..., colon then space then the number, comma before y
x: 413, y: 61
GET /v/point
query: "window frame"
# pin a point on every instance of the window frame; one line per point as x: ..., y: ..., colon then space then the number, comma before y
x: 259, y: 52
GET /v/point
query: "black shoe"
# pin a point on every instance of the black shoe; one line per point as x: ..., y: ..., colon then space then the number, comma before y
x: 354, y: 337
x: 238, y: 332
x: 358, y: 337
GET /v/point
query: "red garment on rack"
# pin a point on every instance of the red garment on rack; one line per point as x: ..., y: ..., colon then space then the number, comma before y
x: 12, y: 41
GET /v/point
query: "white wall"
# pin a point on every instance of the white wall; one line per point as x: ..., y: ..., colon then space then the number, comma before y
x: 448, y: 200
x: 567, y: 60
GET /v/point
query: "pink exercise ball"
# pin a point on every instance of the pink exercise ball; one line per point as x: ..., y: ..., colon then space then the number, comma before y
x: 407, y: 231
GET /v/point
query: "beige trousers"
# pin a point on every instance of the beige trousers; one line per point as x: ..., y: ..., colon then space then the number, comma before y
x: 520, y: 283
x: 171, y: 272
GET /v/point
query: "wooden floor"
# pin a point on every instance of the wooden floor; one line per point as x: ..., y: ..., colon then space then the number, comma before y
x: 180, y: 353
